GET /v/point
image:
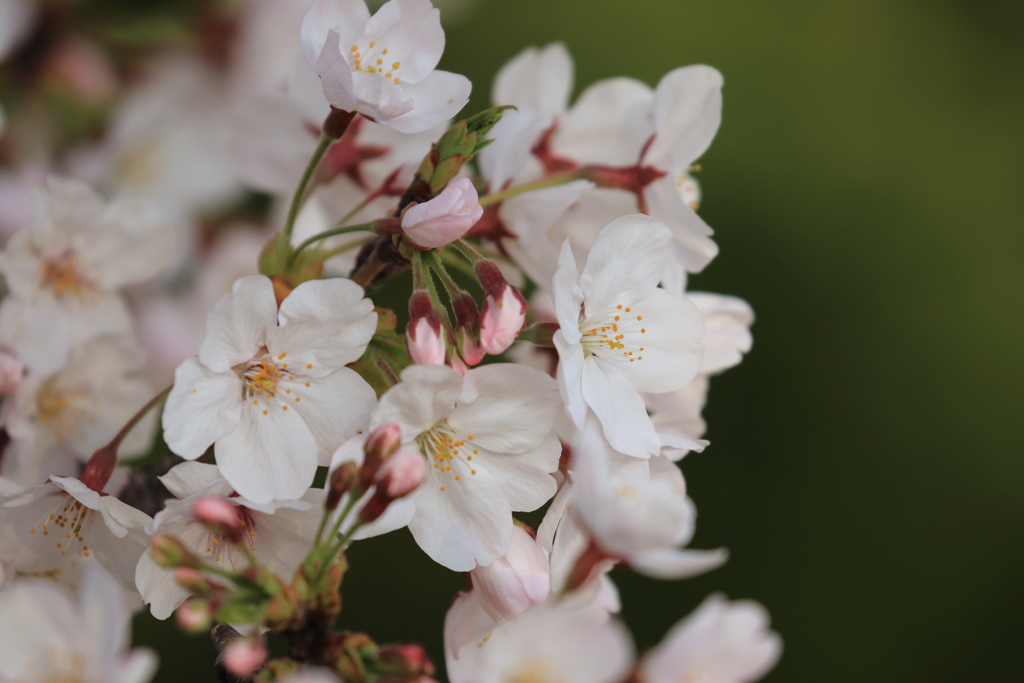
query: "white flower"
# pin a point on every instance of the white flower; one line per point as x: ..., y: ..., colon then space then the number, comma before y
x: 619, y: 334
x: 383, y: 66
x: 634, y: 510
x: 64, y: 272
x: 270, y: 388
x: 721, y: 641
x: 555, y: 642
x: 279, y: 534
x: 78, y: 409
x: 489, y: 443
x: 45, y: 636
x: 61, y: 527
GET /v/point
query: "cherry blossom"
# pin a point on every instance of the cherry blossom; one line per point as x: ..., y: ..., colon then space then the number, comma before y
x: 620, y: 334
x: 269, y: 389
x: 383, y: 66
x: 445, y: 218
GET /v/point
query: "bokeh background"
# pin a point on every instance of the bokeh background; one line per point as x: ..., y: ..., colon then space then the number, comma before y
x: 866, y: 464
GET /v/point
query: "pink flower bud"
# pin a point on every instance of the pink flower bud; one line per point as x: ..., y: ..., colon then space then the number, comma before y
x: 219, y: 516
x: 501, y: 321
x: 402, y: 473
x: 10, y: 373
x: 194, y: 616
x: 243, y: 657
x: 515, y: 582
x: 444, y: 218
x: 383, y: 441
x: 424, y: 340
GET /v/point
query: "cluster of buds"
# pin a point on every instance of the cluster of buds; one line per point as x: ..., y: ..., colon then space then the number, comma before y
x: 360, y: 660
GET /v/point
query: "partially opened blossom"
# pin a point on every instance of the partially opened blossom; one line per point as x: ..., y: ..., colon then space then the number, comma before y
x: 620, y: 334
x: 64, y: 272
x: 487, y: 438
x: 501, y: 320
x: 59, y: 528
x: 445, y: 218
x: 516, y: 581
x: 47, y: 636
x: 555, y: 642
x: 383, y: 66
x: 277, y: 534
x: 269, y: 389
x: 723, y: 641
x: 636, y: 511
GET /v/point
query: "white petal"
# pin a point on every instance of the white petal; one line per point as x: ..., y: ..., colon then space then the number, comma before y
x: 202, y: 407
x: 727, y: 321
x: 425, y: 396
x: 136, y: 244
x: 570, y: 378
x: 531, y: 214
x: 692, y: 246
x: 283, y: 538
x: 325, y: 324
x: 687, y: 114
x: 467, y: 524
x: 411, y: 32
x: 625, y: 263
x: 513, y: 411
x: 525, y: 477
x: 137, y: 666
x: 36, y: 617
x: 607, y: 124
x: 158, y: 587
x: 567, y: 295
x: 507, y: 157
x: 334, y: 407
x: 236, y: 328
x: 347, y: 17
x: 672, y: 343
x: 268, y: 456
x: 189, y: 478
x: 437, y: 98
x: 620, y: 409
x: 671, y: 563
x: 536, y: 79
x: 336, y: 80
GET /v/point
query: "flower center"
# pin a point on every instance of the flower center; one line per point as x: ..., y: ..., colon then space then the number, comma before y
x: 450, y: 454
x: 65, y: 524
x: 537, y: 670
x: 688, y: 189
x: 614, y: 335
x: 61, y: 667
x: 374, y: 60
x: 63, y: 412
x: 61, y: 275
x: 262, y: 377
x: 224, y: 551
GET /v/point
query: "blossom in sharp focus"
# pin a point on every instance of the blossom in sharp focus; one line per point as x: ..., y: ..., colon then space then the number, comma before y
x: 59, y: 528
x: 487, y: 438
x: 620, y: 334
x: 278, y: 533
x: 269, y: 389
x: 383, y: 66
x: 555, y: 642
x: 721, y: 641
x: 445, y: 218
x: 64, y: 272
x: 46, y: 636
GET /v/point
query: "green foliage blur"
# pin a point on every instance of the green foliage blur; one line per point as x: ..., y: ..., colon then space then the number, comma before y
x: 866, y: 466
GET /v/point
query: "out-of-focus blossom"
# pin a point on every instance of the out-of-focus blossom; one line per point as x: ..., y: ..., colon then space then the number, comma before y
x: 722, y: 641
x: 383, y: 66
x: 16, y: 19
x: 11, y: 373
x: 292, y: 401
x: 516, y: 581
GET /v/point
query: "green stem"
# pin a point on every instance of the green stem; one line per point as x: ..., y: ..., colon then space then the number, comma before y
x: 551, y: 181
x: 300, y: 191
x: 363, y: 227
x: 452, y: 261
x: 343, y: 248
x: 437, y: 267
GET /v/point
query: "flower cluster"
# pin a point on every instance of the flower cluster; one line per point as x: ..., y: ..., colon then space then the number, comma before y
x: 546, y: 357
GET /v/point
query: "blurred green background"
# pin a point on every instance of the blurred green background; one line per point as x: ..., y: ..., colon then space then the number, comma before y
x: 865, y: 468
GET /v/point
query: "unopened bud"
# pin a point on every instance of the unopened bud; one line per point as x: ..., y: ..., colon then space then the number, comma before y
x: 501, y: 320
x: 380, y: 445
x: 471, y: 352
x: 400, y: 475
x: 340, y: 482
x: 515, y: 582
x: 194, y: 616
x: 490, y: 277
x: 406, y: 659
x: 195, y: 582
x: 11, y: 373
x: 424, y: 341
x: 445, y: 218
x: 169, y: 552
x: 244, y: 656
x: 219, y: 516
